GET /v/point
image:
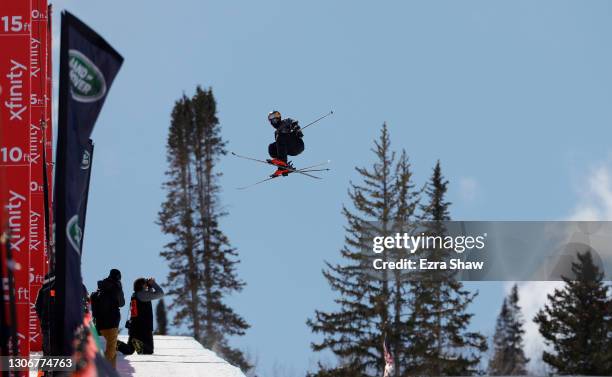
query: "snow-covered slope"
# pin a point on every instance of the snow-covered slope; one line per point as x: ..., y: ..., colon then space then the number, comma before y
x: 176, y: 356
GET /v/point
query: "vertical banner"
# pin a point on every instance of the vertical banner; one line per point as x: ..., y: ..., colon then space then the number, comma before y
x: 15, y: 70
x: 48, y: 147
x: 39, y: 102
x: 88, y: 66
x: 86, y: 164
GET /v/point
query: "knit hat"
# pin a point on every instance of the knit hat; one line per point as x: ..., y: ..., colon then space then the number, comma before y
x: 115, y: 274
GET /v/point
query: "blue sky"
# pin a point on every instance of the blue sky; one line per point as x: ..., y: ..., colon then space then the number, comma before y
x: 512, y: 96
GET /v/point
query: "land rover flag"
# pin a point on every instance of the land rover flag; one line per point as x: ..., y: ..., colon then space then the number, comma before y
x: 85, y: 167
x: 88, y: 66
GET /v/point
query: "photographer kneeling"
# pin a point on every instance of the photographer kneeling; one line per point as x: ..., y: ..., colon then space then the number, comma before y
x: 140, y: 324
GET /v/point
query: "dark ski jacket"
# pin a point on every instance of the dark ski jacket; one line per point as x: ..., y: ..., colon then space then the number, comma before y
x: 141, y: 314
x: 44, y: 302
x: 285, y: 126
x: 106, y: 306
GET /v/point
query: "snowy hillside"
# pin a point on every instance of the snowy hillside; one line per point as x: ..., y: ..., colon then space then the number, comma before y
x: 176, y: 356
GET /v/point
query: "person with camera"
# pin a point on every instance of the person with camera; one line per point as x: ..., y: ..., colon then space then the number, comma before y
x: 140, y: 324
x: 105, y: 306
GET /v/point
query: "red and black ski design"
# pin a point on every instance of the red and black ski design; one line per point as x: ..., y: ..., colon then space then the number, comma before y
x: 284, y: 170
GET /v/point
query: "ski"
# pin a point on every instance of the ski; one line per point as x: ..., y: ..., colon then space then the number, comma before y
x: 255, y: 184
x: 293, y: 170
x: 252, y: 159
x: 304, y: 171
x: 276, y: 176
x: 288, y: 168
x: 301, y: 171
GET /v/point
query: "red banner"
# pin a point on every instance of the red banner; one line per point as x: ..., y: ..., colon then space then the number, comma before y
x: 39, y: 101
x: 15, y: 38
x: 25, y: 130
x: 49, y: 129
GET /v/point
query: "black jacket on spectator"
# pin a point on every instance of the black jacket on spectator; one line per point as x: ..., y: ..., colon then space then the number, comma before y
x: 106, y: 311
x: 44, y: 301
x: 141, y: 321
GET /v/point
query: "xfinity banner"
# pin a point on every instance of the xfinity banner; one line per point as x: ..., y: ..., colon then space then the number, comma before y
x: 88, y: 66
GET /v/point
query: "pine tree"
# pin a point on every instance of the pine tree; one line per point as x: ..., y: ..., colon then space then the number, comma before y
x: 201, y: 260
x: 356, y: 331
x: 176, y: 219
x: 577, y: 323
x: 161, y: 317
x: 404, y: 216
x: 218, y: 258
x: 440, y: 342
x: 437, y: 209
x: 508, y: 357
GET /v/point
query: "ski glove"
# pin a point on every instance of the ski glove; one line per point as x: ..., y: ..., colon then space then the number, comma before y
x: 295, y: 128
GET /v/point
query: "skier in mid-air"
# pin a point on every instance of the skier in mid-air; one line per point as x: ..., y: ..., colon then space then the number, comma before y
x: 287, y: 142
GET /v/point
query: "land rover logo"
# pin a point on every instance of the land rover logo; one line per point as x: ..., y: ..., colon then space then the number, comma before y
x: 74, y: 234
x: 86, y: 160
x: 87, y: 83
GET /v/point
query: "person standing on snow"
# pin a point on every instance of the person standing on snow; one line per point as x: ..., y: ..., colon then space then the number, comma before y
x: 105, y: 304
x: 44, y: 303
x: 140, y: 325
x: 288, y: 142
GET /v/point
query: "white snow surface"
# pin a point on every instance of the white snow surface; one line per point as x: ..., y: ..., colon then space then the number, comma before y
x: 175, y: 356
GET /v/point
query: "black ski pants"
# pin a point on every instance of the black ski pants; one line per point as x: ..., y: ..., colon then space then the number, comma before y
x: 286, y: 144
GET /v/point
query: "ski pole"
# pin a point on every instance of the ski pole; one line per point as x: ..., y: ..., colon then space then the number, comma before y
x: 315, y: 121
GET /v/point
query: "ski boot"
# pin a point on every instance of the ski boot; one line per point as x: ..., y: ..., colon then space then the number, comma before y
x: 283, y: 168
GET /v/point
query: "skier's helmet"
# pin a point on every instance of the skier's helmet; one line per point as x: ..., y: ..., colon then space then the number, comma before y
x: 274, y: 117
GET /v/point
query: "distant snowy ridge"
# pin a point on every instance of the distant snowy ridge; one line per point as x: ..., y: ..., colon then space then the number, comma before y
x: 175, y: 356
